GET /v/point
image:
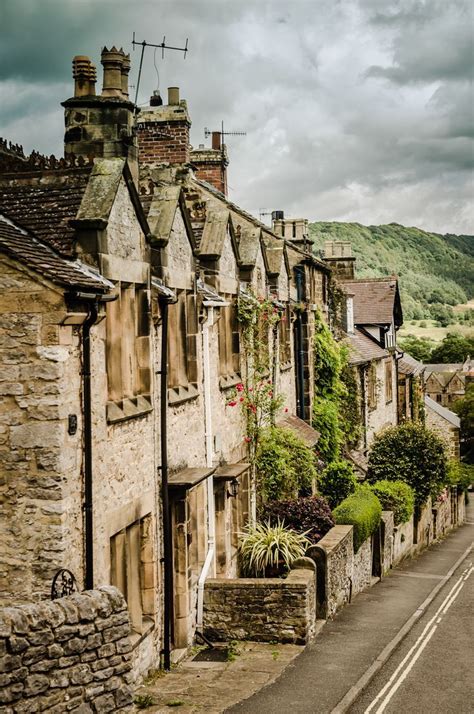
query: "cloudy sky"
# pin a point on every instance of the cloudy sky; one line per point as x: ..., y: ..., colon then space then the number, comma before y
x: 354, y: 110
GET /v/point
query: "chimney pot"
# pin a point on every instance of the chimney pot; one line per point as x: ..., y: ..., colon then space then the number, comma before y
x: 173, y: 96
x: 155, y: 99
x: 216, y: 140
x: 112, y: 62
x: 84, y: 74
x: 125, y: 72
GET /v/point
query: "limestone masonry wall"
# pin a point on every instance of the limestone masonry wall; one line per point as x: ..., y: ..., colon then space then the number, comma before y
x: 334, y: 556
x: 262, y: 609
x: 72, y: 654
x: 362, y: 568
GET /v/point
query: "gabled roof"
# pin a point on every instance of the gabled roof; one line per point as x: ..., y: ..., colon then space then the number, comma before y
x: 41, y: 258
x: 249, y: 244
x: 363, y: 348
x: 273, y: 251
x: 444, y: 367
x: 446, y: 414
x: 376, y: 301
x: 45, y: 205
x: 214, y: 232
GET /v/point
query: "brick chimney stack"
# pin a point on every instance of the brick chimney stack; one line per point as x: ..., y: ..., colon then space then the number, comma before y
x: 211, y: 164
x: 163, y: 131
x: 101, y: 126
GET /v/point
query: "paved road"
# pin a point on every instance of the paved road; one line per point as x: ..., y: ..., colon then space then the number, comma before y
x: 439, y: 681
x: 433, y: 670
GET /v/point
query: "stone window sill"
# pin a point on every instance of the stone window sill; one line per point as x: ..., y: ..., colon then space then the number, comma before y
x: 148, y: 625
x: 128, y: 409
x: 179, y: 395
x: 229, y: 380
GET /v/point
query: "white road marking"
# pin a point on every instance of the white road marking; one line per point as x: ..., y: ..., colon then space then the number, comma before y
x: 415, y: 651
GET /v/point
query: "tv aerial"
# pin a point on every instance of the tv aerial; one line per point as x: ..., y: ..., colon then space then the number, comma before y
x: 222, y: 133
x: 163, y: 46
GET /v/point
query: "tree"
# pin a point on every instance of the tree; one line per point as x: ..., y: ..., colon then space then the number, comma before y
x: 464, y: 408
x: 411, y: 453
x: 454, y: 348
x: 418, y: 347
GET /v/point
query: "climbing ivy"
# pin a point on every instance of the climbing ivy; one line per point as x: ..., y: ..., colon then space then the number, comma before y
x: 336, y: 409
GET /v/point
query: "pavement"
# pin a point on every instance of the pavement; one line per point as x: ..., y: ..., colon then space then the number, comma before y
x: 353, y: 656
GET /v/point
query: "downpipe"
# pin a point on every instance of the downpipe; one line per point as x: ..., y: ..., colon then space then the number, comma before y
x: 209, y: 566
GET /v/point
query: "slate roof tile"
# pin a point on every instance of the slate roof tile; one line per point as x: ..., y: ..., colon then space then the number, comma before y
x: 374, y: 300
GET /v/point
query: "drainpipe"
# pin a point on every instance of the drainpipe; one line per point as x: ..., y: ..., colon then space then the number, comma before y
x: 87, y: 419
x: 299, y: 349
x: 209, y: 563
x: 93, y: 300
x: 167, y: 533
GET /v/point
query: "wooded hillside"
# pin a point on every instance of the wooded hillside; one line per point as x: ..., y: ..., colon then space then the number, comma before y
x: 434, y: 270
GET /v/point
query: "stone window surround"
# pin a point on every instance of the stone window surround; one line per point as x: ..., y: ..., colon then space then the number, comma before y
x: 229, y: 344
x: 182, y: 349
x: 129, y: 406
x: 285, y: 333
x: 388, y: 382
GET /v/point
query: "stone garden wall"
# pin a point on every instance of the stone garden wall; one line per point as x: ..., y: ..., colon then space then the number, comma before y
x: 72, y: 654
x: 262, y: 609
x: 334, y: 555
x: 402, y: 541
x: 388, y: 535
x: 362, y: 567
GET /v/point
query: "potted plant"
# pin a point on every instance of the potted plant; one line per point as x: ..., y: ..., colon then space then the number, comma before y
x: 267, y: 550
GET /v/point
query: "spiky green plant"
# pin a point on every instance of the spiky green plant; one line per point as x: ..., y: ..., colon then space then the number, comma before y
x: 267, y: 550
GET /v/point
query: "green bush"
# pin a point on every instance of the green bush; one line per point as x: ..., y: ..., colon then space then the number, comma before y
x: 268, y: 551
x: 411, y: 453
x: 460, y: 475
x: 285, y: 466
x: 362, y: 510
x: 396, y: 496
x: 337, y: 481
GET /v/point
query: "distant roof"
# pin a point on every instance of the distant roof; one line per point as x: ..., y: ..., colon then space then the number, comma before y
x: 444, y: 367
x: 376, y: 301
x: 409, y: 365
x: 45, y: 206
x: 299, y: 427
x: 26, y: 249
x: 362, y: 348
x: 447, y: 414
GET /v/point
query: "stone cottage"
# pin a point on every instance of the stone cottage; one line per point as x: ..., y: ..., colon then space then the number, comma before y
x: 122, y: 268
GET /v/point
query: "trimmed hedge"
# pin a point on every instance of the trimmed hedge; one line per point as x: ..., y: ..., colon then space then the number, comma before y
x: 337, y: 481
x: 396, y: 496
x: 311, y: 516
x: 363, y: 511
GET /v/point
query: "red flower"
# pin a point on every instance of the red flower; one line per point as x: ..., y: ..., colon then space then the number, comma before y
x: 286, y: 410
x: 240, y: 387
x: 241, y: 399
x: 247, y: 439
x: 231, y: 404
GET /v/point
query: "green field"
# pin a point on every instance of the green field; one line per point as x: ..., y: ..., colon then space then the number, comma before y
x: 432, y: 331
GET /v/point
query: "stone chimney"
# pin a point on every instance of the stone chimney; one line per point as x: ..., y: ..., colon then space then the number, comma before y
x: 101, y: 126
x: 338, y: 255
x: 211, y: 164
x: 163, y: 131
x: 292, y: 229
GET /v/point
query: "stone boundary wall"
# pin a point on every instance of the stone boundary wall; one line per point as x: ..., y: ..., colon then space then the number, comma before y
x: 334, y: 556
x: 423, y: 529
x: 388, y: 537
x: 69, y: 655
x: 362, y: 567
x: 461, y: 508
x: 262, y: 609
x: 402, y: 541
x: 442, y: 516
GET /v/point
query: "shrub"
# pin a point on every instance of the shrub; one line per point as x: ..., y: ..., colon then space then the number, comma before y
x: 337, y: 481
x: 396, y: 496
x: 362, y: 510
x: 326, y: 421
x: 311, y: 516
x: 460, y: 475
x: 285, y: 465
x: 411, y: 453
x: 268, y: 550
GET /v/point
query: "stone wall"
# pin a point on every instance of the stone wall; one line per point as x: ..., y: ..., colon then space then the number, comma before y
x: 388, y: 529
x: 262, y: 609
x: 423, y: 528
x: 333, y: 555
x: 72, y: 654
x: 362, y: 567
x: 442, y: 521
x: 402, y: 541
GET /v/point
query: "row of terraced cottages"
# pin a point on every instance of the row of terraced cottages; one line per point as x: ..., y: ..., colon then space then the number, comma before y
x: 120, y: 270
